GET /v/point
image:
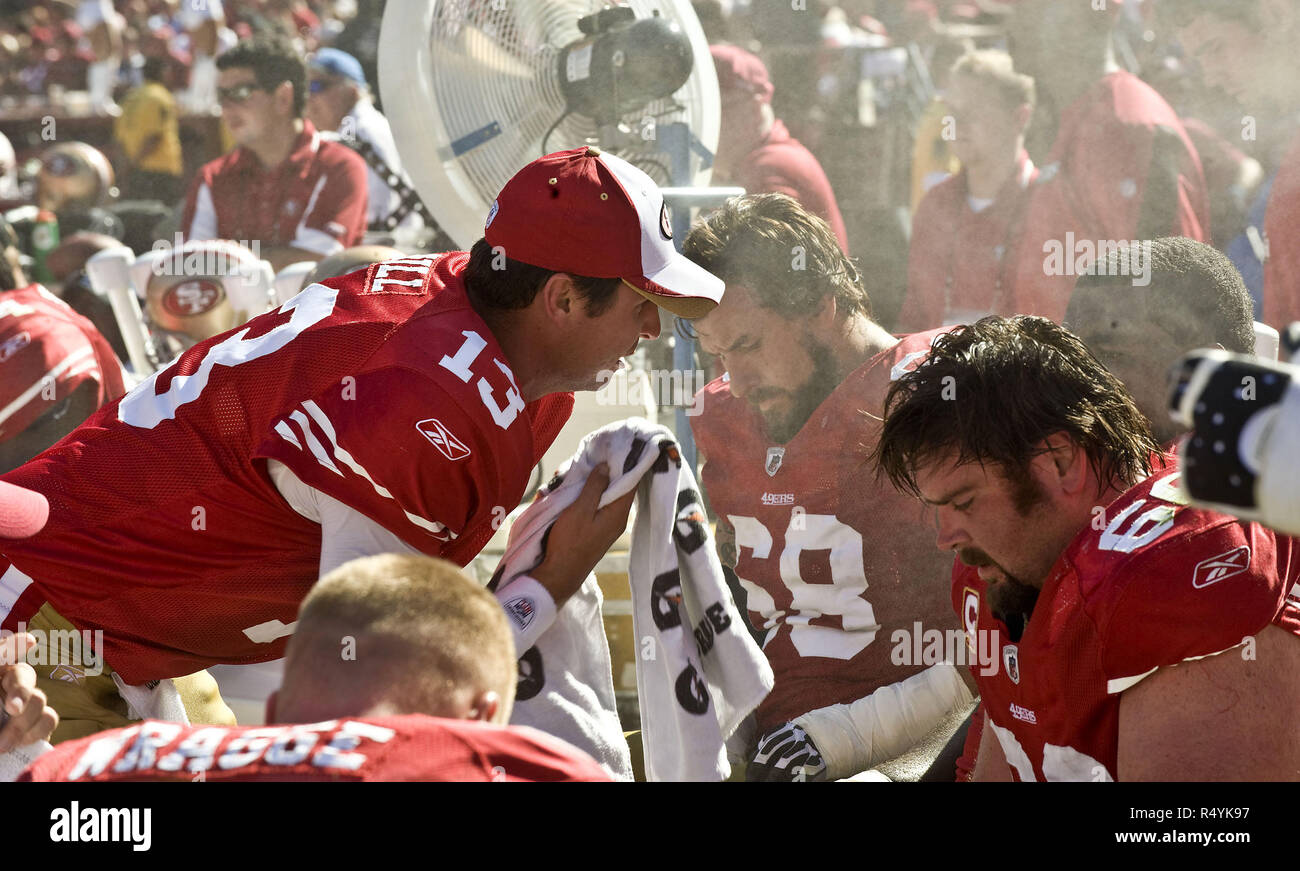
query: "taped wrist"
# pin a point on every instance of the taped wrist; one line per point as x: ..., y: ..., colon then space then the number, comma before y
x: 859, y: 736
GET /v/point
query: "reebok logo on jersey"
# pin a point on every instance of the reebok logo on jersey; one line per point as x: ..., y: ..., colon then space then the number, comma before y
x: 451, y: 447
x: 1225, y: 565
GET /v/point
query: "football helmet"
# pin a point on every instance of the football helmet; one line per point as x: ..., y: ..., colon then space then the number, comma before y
x: 74, y: 177
x: 200, y: 289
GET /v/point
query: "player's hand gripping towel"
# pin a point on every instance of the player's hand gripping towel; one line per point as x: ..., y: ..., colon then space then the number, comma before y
x: 699, y: 674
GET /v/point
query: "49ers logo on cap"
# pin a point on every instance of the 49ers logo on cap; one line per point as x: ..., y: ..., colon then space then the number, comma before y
x: 190, y: 298
x: 665, y: 225
x: 441, y: 438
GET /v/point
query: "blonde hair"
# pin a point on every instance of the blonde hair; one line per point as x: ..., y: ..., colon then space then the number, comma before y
x: 408, y: 633
x: 996, y: 70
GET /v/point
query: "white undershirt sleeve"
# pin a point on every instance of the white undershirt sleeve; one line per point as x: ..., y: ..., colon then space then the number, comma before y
x: 346, y: 534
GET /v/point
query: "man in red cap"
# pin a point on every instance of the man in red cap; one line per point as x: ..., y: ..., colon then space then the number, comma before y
x: 1247, y: 47
x: 399, y: 408
x: 756, y: 151
x: 1121, y: 167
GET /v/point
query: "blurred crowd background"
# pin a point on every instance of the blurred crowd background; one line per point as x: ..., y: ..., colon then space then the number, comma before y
x: 936, y: 137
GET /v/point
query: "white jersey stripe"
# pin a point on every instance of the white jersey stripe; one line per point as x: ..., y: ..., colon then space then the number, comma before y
x: 49, y: 377
x: 313, y: 444
x: 350, y: 461
x: 12, y: 584
x: 286, y: 433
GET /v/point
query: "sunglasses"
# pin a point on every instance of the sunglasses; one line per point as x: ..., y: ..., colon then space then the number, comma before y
x: 315, y: 86
x: 237, y: 94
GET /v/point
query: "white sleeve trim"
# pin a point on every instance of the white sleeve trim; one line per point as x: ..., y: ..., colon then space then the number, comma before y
x: 204, y: 225
x: 1120, y: 684
x: 886, y: 723
x: 317, y: 242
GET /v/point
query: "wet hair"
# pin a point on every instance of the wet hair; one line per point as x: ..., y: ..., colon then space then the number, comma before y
x: 786, y: 255
x: 992, y: 392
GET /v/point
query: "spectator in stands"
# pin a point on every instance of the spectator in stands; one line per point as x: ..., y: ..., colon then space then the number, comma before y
x: 55, y: 367
x: 9, y: 189
x: 339, y: 101
x: 360, y: 38
x: 296, y: 195
x: 1248, y: 48
x: 1121, y: 166
x: 756, y: 151
x: 426, y: 696
x: 159, y: 42
x: 1138, y: 330
x: 965, y: 226
x: 932, y: 157
x: 148, y: 132
x: 103, y: 28
x: 201, y: 21
x: 70, y: 64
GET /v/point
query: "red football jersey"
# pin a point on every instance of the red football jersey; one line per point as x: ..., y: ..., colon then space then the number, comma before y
x: 381, y: 388
x: 1160, y: 584
x: 1093, y: 186
x: 834, y: 561
x: 410, y: 747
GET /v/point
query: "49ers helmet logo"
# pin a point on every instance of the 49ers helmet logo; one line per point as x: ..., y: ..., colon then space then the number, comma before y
x: 190, y: 298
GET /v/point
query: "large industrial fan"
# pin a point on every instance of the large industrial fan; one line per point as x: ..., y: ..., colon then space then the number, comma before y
x: 475, y: 89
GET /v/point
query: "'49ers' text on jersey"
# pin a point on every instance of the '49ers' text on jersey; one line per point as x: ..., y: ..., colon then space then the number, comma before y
x: 834, y: 562
x: 1159, y: 584
x: 382, y: 388
x: 410, y: 747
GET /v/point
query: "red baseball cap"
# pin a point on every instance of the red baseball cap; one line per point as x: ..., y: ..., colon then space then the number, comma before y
x: 45, y: 355
x: 738, y: 70
x: 589, y: 213
x: 23, y: 512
